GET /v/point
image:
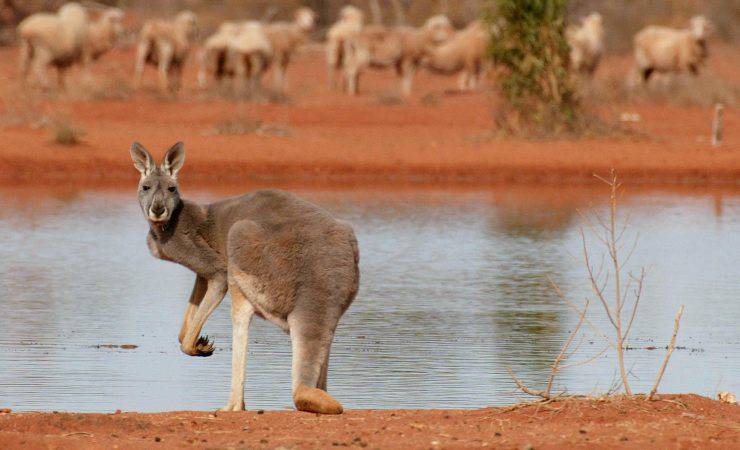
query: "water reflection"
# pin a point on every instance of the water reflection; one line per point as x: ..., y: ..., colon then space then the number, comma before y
x: 454, y: 290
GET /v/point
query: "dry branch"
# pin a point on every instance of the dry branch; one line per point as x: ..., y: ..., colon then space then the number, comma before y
x: 671, y: 346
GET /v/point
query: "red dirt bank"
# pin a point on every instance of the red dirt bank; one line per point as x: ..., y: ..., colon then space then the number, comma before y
x: 433, y: 137
x: 674, y: 421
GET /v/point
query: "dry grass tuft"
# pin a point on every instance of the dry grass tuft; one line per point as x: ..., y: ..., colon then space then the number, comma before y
x: 66, y: 134
x: 389, y: 98
x: 430, y: 99
x: 243, y: 124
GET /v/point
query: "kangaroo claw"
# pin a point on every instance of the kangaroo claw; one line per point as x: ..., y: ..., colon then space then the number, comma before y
x: 204, y: 346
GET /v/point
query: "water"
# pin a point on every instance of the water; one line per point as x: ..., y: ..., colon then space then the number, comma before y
x: 454, y: 290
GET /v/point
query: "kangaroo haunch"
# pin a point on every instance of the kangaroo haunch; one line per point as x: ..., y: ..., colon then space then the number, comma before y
x: 281, y: 257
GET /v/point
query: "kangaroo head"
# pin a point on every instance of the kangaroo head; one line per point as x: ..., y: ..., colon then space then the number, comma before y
x: 158, y: 192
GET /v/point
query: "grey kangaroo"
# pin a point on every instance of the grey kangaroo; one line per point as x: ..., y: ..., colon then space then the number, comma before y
x: 282, y: 258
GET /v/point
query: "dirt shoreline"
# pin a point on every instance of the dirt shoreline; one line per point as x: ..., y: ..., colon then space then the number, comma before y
x: 674, y: 421
x: 319, y: 135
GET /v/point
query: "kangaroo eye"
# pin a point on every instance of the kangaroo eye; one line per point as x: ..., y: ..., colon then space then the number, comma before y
x: 145, y: 188
x: 172, y: 188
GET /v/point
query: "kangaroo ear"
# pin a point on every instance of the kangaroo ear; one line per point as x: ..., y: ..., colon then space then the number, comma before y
x: 174, y: 159
x: 143, y: 161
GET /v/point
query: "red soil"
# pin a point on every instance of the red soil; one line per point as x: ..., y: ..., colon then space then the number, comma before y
x: 436, y: 136
x: 674, y: 421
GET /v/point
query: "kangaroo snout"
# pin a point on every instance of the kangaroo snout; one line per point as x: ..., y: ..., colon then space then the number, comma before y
x: 157, y: 212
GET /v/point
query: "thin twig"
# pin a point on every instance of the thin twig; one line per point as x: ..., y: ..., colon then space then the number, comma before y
x: 638, y: 295
x: 563, y: 350
x: 594, y: 285
x: 585, y: 361
x: 523, y: 387
x: 667, y: 355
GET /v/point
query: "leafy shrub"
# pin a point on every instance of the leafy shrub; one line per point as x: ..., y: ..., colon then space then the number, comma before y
x: 529, y: 45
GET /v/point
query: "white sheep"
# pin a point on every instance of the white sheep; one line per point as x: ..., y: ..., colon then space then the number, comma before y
x: 166, y: 44
x: 663, y: 49
x: 351, y: 21
x: 586, y: 44
x: 464, y: 53
x: 213, y: 57
x: 56, y: 40
x: 400, y: 47
x: 105, y: 33
x: 285, y: 37
x: 250, y: 53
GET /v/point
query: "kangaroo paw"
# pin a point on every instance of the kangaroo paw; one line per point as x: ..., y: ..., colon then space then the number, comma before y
x: 203, y: 347
x: 316, y: 401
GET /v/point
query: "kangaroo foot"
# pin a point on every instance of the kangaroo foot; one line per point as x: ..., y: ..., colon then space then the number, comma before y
x: 203, y: 347
x: 233, y: 406
x: 315, y: 400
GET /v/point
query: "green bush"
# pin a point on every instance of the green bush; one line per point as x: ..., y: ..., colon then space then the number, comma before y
x: 66, y: 134
x: 529, y: 47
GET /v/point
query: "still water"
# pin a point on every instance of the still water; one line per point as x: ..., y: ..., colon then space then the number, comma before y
x: 454, y: 290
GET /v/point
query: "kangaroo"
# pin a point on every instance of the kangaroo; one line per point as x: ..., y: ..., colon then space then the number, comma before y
x: 281, y: 258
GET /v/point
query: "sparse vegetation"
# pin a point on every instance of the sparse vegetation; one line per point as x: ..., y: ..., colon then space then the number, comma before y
x: 246, y: 124
x: 705, y: 90
x: 67, y: 134
x: 389, y: 98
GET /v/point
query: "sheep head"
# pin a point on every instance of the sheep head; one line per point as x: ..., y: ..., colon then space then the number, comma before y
x: 440, y: 27
x: 113, y: 19
x: 187, y: 21
x: 700, y: 27
x: 305, y: 18
x: 351, y: 13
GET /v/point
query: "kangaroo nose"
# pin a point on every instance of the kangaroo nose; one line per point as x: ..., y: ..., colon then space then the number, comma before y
x: 158, y: 210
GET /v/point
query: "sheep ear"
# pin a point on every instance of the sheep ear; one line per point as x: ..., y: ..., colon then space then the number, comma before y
x: 174, y: 159
x: 143, y: 161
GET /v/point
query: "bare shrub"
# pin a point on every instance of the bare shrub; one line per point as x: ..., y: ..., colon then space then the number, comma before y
x: 67, y: 134
x: 617, y: 291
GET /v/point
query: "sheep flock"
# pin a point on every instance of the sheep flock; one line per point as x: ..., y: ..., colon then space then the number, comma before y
x: 239, y: 53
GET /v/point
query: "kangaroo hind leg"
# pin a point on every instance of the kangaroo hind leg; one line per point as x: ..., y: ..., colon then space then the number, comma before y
x: 311, y: 342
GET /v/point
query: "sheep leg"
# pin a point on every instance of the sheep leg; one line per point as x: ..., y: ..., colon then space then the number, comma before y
x: 176, y: 77
x: 240, y: 73
x: 352, y: 78
x: 25, y: 60
x: 646, y: 74
x: 476, y: 75
x: 462, y: 82
x: 203, y: 63
x: 41, y: 60
x: 407, y: 74
x: 333, y: 59
x: 141, y: 53
x: 165, y: 63
x: 280, y: 69
x: 257, y: 67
